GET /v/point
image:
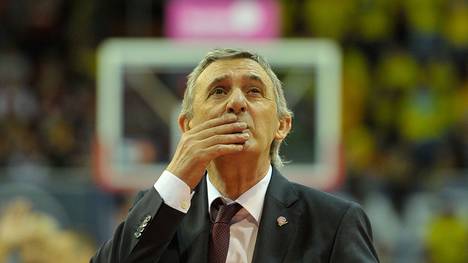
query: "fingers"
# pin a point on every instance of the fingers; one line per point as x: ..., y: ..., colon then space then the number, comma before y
x: 225, y: 119
x: 229, y: 128
x: 205, y: 142
x: 218, y: 150
x: 226, y: 124
x: 237, y: 138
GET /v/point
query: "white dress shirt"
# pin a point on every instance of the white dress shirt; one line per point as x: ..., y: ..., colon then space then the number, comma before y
x: 243, y: 231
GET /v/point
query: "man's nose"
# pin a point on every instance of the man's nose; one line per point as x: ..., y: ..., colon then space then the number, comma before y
x: 237, y: 102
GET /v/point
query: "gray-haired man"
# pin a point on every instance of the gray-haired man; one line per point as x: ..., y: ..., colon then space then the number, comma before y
x: 221, y: 198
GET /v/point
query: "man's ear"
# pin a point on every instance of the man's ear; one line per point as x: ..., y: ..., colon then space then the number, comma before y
x: 184, y: 123
x: 284, y: 128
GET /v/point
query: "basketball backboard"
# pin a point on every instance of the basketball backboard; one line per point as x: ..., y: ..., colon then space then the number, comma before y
x: 139, y: 90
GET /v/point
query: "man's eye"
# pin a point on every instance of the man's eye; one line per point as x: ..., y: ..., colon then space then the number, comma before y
x: 218, y: 91
x: 255, y: 91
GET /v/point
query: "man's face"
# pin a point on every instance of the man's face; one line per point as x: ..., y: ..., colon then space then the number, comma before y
x: 242, y: 87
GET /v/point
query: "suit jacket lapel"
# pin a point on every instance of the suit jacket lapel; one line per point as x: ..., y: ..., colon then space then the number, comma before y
x: 194, y: 232
x: 273, y: 238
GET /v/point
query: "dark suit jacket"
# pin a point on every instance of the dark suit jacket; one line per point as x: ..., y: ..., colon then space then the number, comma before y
x: 320, y: 228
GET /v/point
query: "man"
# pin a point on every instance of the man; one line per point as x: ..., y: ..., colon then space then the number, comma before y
x: 221, y: 198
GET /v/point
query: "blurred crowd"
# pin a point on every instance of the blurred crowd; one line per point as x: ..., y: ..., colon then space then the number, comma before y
x: 46, y: 85
x: 405, y: 83
x: 405, y: 94
x: 405, y: 117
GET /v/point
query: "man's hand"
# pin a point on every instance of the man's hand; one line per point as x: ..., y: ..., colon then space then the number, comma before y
x: 205, y: 142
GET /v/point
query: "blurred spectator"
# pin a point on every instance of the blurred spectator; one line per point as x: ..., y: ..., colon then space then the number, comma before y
x: 375, y: 21
x: 447, y: 236
x: 28, y: 236
x: 426, y: 113
x: 455, y: 31
x: 424, y: 18
x: 328, y: 19
x: 16, y: 99
x: 356, y: 85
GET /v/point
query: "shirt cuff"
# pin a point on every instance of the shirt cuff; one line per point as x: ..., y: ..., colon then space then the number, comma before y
x: 174, y: 191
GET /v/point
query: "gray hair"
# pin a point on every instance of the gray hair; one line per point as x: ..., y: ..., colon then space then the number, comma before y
x: 228, y: 53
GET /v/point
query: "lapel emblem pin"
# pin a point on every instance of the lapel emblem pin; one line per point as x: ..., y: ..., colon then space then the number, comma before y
x: 281, y: 221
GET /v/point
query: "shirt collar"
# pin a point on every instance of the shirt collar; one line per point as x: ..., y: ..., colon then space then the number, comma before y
x: 251, y: 200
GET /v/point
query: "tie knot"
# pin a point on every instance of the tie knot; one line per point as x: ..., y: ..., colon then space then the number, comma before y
x: 223, y: 213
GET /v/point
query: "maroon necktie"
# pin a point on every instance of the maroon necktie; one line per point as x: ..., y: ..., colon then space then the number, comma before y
x: 221, y: 222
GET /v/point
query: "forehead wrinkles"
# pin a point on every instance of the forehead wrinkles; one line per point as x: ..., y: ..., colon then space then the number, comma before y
x: 230, y: 69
